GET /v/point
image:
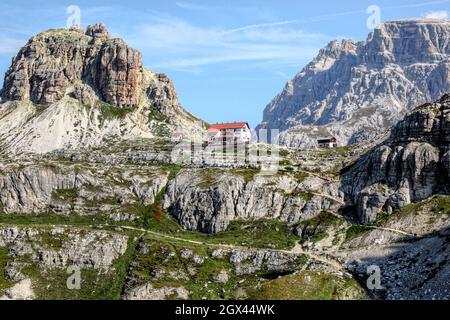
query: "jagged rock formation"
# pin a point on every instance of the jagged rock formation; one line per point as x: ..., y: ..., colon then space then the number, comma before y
x: 20, y: 291
x: 98, y: 31
x: 354, y: 90
x: 96, y: 249
x: 51, y: 62
x: 412, y: 165
x: 414, y: 266
x: 70, y: 90
x: 208, y: 201
x: 40, y: 188
x: 103, y: 210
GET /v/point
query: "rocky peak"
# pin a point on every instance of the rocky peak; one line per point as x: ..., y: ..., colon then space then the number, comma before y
x: 59, y: 73
x: 53, y: 62
x: 408, y: 41
x: 355, y: 90
x: 98, y: 31
x: 410, y: 166
x: 330, y: 54
x: 428, y: 123
x: 76, y: 28
x: 335, y: 48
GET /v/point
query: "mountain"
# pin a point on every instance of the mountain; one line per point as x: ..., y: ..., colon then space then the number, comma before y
x: 75, y: 90
x: 116, y: 206
x: 355, y: 90
x: 412, y: 165
x: 135, y: 224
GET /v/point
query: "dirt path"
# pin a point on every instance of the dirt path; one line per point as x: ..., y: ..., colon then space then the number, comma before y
x: 297, y: 250
x: 393, y: 230
x: 322, y: 258
x: 340, y: 201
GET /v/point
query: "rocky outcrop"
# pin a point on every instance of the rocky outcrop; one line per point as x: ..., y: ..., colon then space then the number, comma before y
x: 412, y: 165
x: 85, y: 94
x: 355, y: 90
x: 148, y: 292
x: 68, y: 189
x: 98, y: 31
x: 20, y: 291
x: 69, y: 90
x: 162, y: 270
x: 207, y: 199
x: 117, y: 73
x: 53, y: 61
x: 413, y: 264
x: 162, y: 93
x: 61, y: 247
x: 251, y: 262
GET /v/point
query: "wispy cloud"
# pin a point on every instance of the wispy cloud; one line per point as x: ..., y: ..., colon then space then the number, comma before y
x: 290, y: 55
x: 186, y: 45
x: 437, y: 14
x: 9, y: 45
x: 192, y: 6
x: 254, y: 11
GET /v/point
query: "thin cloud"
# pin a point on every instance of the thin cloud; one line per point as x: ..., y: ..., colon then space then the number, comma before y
x: 437, y: 14
x: 192, y: 6
x: 10, y: 45
x: 278, y: 54
x: 331, y: 16
x: 184, y: 45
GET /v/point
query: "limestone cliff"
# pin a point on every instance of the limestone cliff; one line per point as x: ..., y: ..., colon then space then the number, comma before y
x: 355, y: 90
x: 66, y: 89
x: 412, y: 165
x: 207, y: 200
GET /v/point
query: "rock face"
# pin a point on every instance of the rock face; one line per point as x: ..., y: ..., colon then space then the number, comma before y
x: 412, y: 165
x: 148, y: 292
x: 51, y: 62
x: 20, y: 291
x: 85, y: 191
x: 209, y: 206
x: 412, y: 267
x: 98, y: 31
x: 70, y: 90
x: 96, y: 249
x: 117, y: 72
x: 354, y: 90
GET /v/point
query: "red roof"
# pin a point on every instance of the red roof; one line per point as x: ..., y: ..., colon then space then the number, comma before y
x: 213, y: 130
x: 225, y: 126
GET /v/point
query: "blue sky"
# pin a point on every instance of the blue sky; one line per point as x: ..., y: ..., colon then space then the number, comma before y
x: 228, y: 58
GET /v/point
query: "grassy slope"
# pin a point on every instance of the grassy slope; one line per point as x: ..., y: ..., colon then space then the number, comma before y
x: 308, y: 285
x: 5, y: 283
x: 51, y: 284
x: 201, y: 284
x: 439, y: 204
x: 260, y: 233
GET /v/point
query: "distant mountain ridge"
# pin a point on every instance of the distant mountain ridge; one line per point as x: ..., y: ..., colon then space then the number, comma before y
x: 69, y: 89
x: 354, y: 90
